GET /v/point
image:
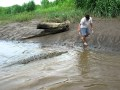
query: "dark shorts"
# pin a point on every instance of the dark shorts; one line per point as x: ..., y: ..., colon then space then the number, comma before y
x: 84, y: 31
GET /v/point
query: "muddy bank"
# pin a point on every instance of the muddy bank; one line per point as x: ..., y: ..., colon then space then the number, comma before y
x: 106, y: 34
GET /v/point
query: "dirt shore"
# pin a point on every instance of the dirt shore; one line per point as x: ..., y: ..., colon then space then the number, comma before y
x: 106, y: 34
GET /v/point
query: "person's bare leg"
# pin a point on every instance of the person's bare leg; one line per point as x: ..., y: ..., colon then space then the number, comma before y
x: 83, y: 38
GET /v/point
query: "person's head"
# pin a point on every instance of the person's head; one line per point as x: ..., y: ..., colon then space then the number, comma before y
x: 87, y: 17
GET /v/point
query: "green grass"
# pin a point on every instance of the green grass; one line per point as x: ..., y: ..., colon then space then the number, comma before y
x: 57, y: 13
x: 23, y: 17
x: 60, y: 13
x: 66, y: 11
x: 54, y: 14
x: 17, y: 17
x: 60, y: 16
x: 101, y: 8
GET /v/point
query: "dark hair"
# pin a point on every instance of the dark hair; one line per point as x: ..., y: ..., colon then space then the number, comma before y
x: 87, y: 17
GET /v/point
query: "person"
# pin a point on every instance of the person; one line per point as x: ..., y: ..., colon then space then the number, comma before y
x: 84, y: 28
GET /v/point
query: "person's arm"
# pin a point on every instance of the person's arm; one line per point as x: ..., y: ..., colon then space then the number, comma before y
x: 79, y: 26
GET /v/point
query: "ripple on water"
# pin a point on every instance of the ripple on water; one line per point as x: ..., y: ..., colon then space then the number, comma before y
x: 14, y: 50
x: 71, y: 70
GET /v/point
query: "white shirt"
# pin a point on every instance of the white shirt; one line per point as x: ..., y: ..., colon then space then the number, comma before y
x: 84, y: 23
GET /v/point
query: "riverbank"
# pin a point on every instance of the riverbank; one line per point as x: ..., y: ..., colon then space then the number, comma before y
x: 106, y: 34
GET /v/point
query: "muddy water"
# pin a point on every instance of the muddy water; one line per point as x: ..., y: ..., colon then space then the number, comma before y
x: 31, y: 66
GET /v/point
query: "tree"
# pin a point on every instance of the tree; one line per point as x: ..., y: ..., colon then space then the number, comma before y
x: 30, y: 6
x: 15, y: 9
x: 45, y: 3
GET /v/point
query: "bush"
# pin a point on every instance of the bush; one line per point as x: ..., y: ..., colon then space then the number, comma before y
x: 15, y: 9
x: 45, y: 3
x: 110, y: 8
x: 107, y: 8
x: 29, y: 6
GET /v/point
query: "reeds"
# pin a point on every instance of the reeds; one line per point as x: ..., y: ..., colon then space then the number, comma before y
x: 106, y: 8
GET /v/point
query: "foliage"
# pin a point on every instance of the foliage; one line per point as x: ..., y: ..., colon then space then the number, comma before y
x: 14, y: 9
x: 110, y: 8
x: 58, y: 2
x: 22, y: 17
x: 2, y: 10
x: 25, y: 16
x: 30, y: 6
x: 45, y: 3
x: 60, y: 16
x: 60, y: 10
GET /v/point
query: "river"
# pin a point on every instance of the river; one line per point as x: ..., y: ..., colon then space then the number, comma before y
x: 33, y: 66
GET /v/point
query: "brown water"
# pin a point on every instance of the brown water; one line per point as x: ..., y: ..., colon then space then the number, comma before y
x: 31, y: 66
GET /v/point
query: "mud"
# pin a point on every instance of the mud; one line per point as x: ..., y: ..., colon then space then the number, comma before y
x: 58, y: 61
x: 106, y: 34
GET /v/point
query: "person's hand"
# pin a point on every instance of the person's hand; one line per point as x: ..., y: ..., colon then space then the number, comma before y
x: 92, y: 31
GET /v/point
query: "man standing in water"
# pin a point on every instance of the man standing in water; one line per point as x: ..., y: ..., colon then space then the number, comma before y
x: 84, y: 28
